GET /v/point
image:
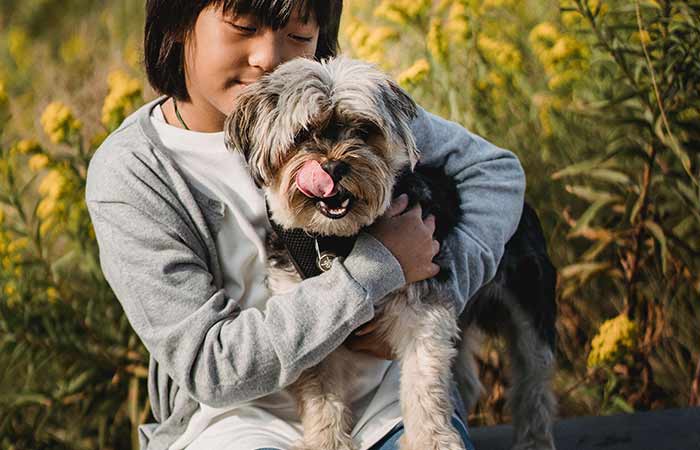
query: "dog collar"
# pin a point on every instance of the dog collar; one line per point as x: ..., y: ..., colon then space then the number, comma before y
x: 311, y: 255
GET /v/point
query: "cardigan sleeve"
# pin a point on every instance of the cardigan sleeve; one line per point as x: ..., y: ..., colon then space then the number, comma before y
x: 491, y: 185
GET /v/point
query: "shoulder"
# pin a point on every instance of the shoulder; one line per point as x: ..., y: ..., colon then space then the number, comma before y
x: 430, y: 129
x: 126, y: 160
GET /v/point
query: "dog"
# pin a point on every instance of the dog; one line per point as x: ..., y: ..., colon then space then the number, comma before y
x: 330, y: 145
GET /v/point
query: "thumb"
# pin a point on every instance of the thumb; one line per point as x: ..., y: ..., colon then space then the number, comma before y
x: 398, y: 205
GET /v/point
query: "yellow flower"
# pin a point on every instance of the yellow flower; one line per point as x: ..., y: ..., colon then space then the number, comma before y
x: 18, y: 44
x: 73, y: 50
x: 368, y: 43
x: 414, y: 74
x: 2, y: 220
x: 3, y: 93
x: 52, y: 184
x: 614, y: 338
x: 457, y: 22
x: 59, y: 123
x: 643, y: 37
x: 27, y: 146
x: 402, y: 12
x: 10, y: 288
x: 52, y: 294
x: 501, y: 53
x: 544, y: 36
x: 437, y: 43
x: 124, y: 94
x: 17, y: 245
x: 38, y: 162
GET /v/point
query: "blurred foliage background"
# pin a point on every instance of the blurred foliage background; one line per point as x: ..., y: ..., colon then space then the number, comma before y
x: 598, y: 98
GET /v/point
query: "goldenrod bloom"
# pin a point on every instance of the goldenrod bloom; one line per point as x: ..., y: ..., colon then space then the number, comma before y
x: 457, y: 26
x: 38, y: 162
x: 10, y: 288
x: 501, y: 53
x: 27, y: 146
x: 414, y: 74
x: 52, y: 184
x: 73, y: 50
x: 3, y: 93
x: 124, y: 95
x: 52, y: 294
x: 437, y: 42
x: 18, y: 44
x: 402, y: 11
x: 59, y: 123
x: 615, y: 337
x: 368, y: 43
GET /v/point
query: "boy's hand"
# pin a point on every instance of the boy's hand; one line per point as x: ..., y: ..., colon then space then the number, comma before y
x: 365, y: 339
x: 409, y: 238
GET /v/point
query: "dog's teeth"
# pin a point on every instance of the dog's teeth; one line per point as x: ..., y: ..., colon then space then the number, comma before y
x: 345, y: 203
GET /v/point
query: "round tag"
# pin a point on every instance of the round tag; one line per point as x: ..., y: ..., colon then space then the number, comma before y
x: 325, y: 261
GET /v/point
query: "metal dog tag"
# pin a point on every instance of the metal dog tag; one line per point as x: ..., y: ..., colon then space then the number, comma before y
x: 325, y: 260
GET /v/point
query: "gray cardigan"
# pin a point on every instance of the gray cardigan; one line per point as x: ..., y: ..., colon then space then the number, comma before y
x: 156, y: 237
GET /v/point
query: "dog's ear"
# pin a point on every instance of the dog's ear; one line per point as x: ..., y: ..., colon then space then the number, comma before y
x: 240, y: 129
x: 401, y: 108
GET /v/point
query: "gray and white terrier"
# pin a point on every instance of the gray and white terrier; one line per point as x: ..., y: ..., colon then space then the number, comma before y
x: 330, y: 145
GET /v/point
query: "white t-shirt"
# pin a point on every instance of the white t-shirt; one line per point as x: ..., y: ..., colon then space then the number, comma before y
x: 269, y: 421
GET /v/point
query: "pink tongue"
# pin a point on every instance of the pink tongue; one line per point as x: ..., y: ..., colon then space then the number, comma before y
x: 313, y: 181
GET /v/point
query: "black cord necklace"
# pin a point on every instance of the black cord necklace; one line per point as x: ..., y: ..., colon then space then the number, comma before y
x: 179, y: 117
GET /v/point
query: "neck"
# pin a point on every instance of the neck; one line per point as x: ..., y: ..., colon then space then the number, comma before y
x: 197, y: 115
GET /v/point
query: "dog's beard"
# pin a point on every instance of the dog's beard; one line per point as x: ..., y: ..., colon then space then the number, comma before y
x: 368, y: 186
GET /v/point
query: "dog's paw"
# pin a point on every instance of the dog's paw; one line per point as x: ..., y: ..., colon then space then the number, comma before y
x: 335, y: 442
x: 449, y: 440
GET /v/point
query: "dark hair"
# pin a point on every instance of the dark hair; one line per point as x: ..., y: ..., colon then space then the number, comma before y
x: 169, y: 21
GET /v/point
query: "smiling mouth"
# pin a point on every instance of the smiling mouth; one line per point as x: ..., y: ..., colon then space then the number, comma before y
x: 335, y: 207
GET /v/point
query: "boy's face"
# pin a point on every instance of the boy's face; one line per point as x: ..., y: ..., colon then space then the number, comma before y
x: 225, y: 52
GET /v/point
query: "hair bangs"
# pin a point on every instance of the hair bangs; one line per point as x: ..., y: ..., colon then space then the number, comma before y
x: 276, y: 13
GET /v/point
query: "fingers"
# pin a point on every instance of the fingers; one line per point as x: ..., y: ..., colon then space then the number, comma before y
x: 436, y: 247
x: 434, y: 270
x: 398, y: 205
x: 430, y: 223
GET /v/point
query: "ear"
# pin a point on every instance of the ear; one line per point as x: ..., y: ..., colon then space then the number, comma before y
x: 401, y: 109
x: 240, y: 127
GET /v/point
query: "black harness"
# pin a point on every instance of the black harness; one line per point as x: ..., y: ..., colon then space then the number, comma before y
x: 311, y: 255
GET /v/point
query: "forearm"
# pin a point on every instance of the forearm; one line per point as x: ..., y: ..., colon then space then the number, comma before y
x: 491, y: 185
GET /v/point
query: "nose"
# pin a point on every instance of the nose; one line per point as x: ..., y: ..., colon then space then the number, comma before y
x: 265, y: 51
x: 336, y: 169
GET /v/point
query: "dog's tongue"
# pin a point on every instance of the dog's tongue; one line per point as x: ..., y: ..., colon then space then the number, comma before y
x: 313, y: 181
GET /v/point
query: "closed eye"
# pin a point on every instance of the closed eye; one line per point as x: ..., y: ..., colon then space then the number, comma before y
x: 301, y: 38
x: 244, y: 29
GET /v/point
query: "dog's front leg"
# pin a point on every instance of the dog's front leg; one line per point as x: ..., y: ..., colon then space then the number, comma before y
x: 321, y: 396
x: 426, y: 361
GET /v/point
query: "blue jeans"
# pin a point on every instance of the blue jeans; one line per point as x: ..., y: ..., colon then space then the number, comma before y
x: 390, y: 441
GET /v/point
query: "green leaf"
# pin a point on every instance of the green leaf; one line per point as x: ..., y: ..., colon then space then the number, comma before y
x: 577, y: 169
x: 589, y: 194
x: 610, y: 175
x: 590, y: 214
x: 622, y: 404
x: 660, y: 236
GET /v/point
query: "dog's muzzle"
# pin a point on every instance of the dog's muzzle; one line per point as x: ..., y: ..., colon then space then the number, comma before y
x: 321, y: 183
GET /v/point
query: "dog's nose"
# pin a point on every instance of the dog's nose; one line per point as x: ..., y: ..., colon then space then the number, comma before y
x: 336, y: 169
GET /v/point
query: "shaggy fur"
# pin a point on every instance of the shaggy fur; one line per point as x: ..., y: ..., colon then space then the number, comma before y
x: 346, y: 110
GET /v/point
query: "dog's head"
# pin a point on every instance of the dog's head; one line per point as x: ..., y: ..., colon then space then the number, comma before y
x: 325, y: 140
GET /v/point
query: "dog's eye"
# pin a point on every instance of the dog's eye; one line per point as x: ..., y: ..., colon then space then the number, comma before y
x: 365, y: 130
x: 302, y: 136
